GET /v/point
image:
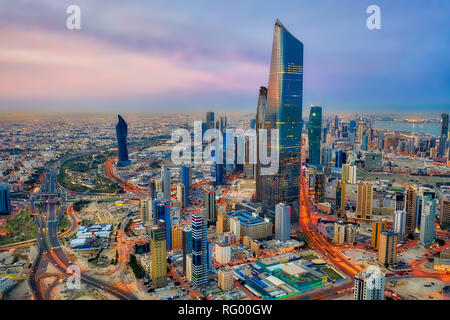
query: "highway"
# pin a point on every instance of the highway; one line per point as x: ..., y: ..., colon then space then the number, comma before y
x: 50, y: 250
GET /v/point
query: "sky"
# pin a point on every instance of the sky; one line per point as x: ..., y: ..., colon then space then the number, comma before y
x: 163, y: 56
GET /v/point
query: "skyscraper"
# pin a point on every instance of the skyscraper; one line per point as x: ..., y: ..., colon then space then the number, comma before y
x: 181, y: 195
x: 161, y: 211
x: 349, y: 173
x: 319, y: 187
x: 210, y: 205
x: 399, y: 223
x: 445, y: 212
x: 282, y: 222
x: 187, y: 245
x: 314, y: 135
x: 185, y: 173
x: 377, y: 227
x: 369, y: 285
x: 427, y: 224
x: 364, y: 199
x: 165, y: 179
x: 340, y: 199
x: 158, y: 252
x: 284, y: 112
x: 199, y: 251
x: 444, y: 134
x: 260, y: 116
x: 410, y: 208
x: 122, y: 133
x: 146, y: 206
x: 340, y: 158
x: 5, y: 200
x: 222, y: 225
x: 387, y: 253
x: 210, y: 120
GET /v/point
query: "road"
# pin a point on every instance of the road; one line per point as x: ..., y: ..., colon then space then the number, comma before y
x: 50, y: 250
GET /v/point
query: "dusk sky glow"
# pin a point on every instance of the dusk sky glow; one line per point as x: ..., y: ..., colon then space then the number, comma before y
x: 211, y: 55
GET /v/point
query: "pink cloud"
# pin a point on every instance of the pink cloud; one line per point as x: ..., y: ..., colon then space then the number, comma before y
x: 41, y: 65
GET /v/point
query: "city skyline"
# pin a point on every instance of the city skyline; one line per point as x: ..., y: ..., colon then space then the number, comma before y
x: 350, y: 68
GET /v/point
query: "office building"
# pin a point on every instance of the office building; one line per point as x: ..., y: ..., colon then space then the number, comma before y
x: 165, y: 180
x: 181, y: 194
x: 223, y: 252
x: 340, y: 158
x: 222, y: 224
x: 282, y: 222
x: 210, y: 120
x: 369, y: 285
x: 284, y: 112
x: 186, y: 178
x: 344, y: 233
x: 445, y: 212
x: 5, y: 200
x: 340, y: 199
x: 225, y: 278
x: 250, y: 224
x: 158, y: 252
x: 387, y: 252
x: 399, y: 223
x: 177, y: 237
x: 210, y: 205
x: 377, y: 227
x: 319, y: 187
x: 327, y: 156
x: 122, y: 132
x: 410, y: 208
x: 260, y: 115
x: 315, y: 135
x: 427, y: 223
x: 161, y: 211
x: 146, y: 207
x: 187, y: 245
x: 199, y: 251
x: 188, y: 268
x: 235, y: 228
x: 349, y: 173
x: 364, y: 199
x: 444, y: 134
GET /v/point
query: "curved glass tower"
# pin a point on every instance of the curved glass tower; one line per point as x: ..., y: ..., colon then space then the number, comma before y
x: 284, y: 112
x: 122, y: 132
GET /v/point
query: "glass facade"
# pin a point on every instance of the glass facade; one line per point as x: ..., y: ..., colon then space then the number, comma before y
x: 284, y: 112
x: 185, y: 182
x: 199, y: 251
x: 161, y: 211
x: 314, y: 135
x: 122, y: 132
x: 5, y: 200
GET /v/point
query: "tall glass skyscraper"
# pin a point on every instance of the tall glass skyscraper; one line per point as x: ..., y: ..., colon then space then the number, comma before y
x: 122, y: 132
x: 314, y: 135
x: 161, y: 211
x: 260, y: 115
x: 284, y: 112
x: 5, y: 200
x: 199, y: 251
x: 444, y: 134
x: 185, y: 182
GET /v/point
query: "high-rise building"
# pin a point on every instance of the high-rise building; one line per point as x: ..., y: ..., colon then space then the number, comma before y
x: 284, y: 112
x: 158, y: 252
x: 235, y: 228
x: 364, y: 199
x: 161, y: 211
x: 340, y: 199
x: 344, y: 233
x: 445, y: 212
x: 225, y: 278
x: 199, y: 251
x: 210, y: 120
x: 314, y: 135
x: 210, y: 205
x: 340, y: 158
x: 146, y: 207
x: 428, y: 224
x: 399, y: 223
x: 327, y: 156
x: 222, y: 224
x: 187, y: 245
x: 444, y: 134
x: 349, y: 173
x: 5, y: 200
x: 122, y: 132
x: 377, y: 227
x: 186, y: 181
x: 282, y: 222
x: 223, y: 252
x: 319, y: 187
x: 181, y: 195
x: 419, y: 205
x: 369, y: 285
x: 387, y: 252
x: 188, y: 269
x: 165, y: 179
x: 364, y: 142
x: 399, y: 201
x: 410, y: 208
x: 152, y: 189
x: 260, y: 115
x: 177, y: 237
